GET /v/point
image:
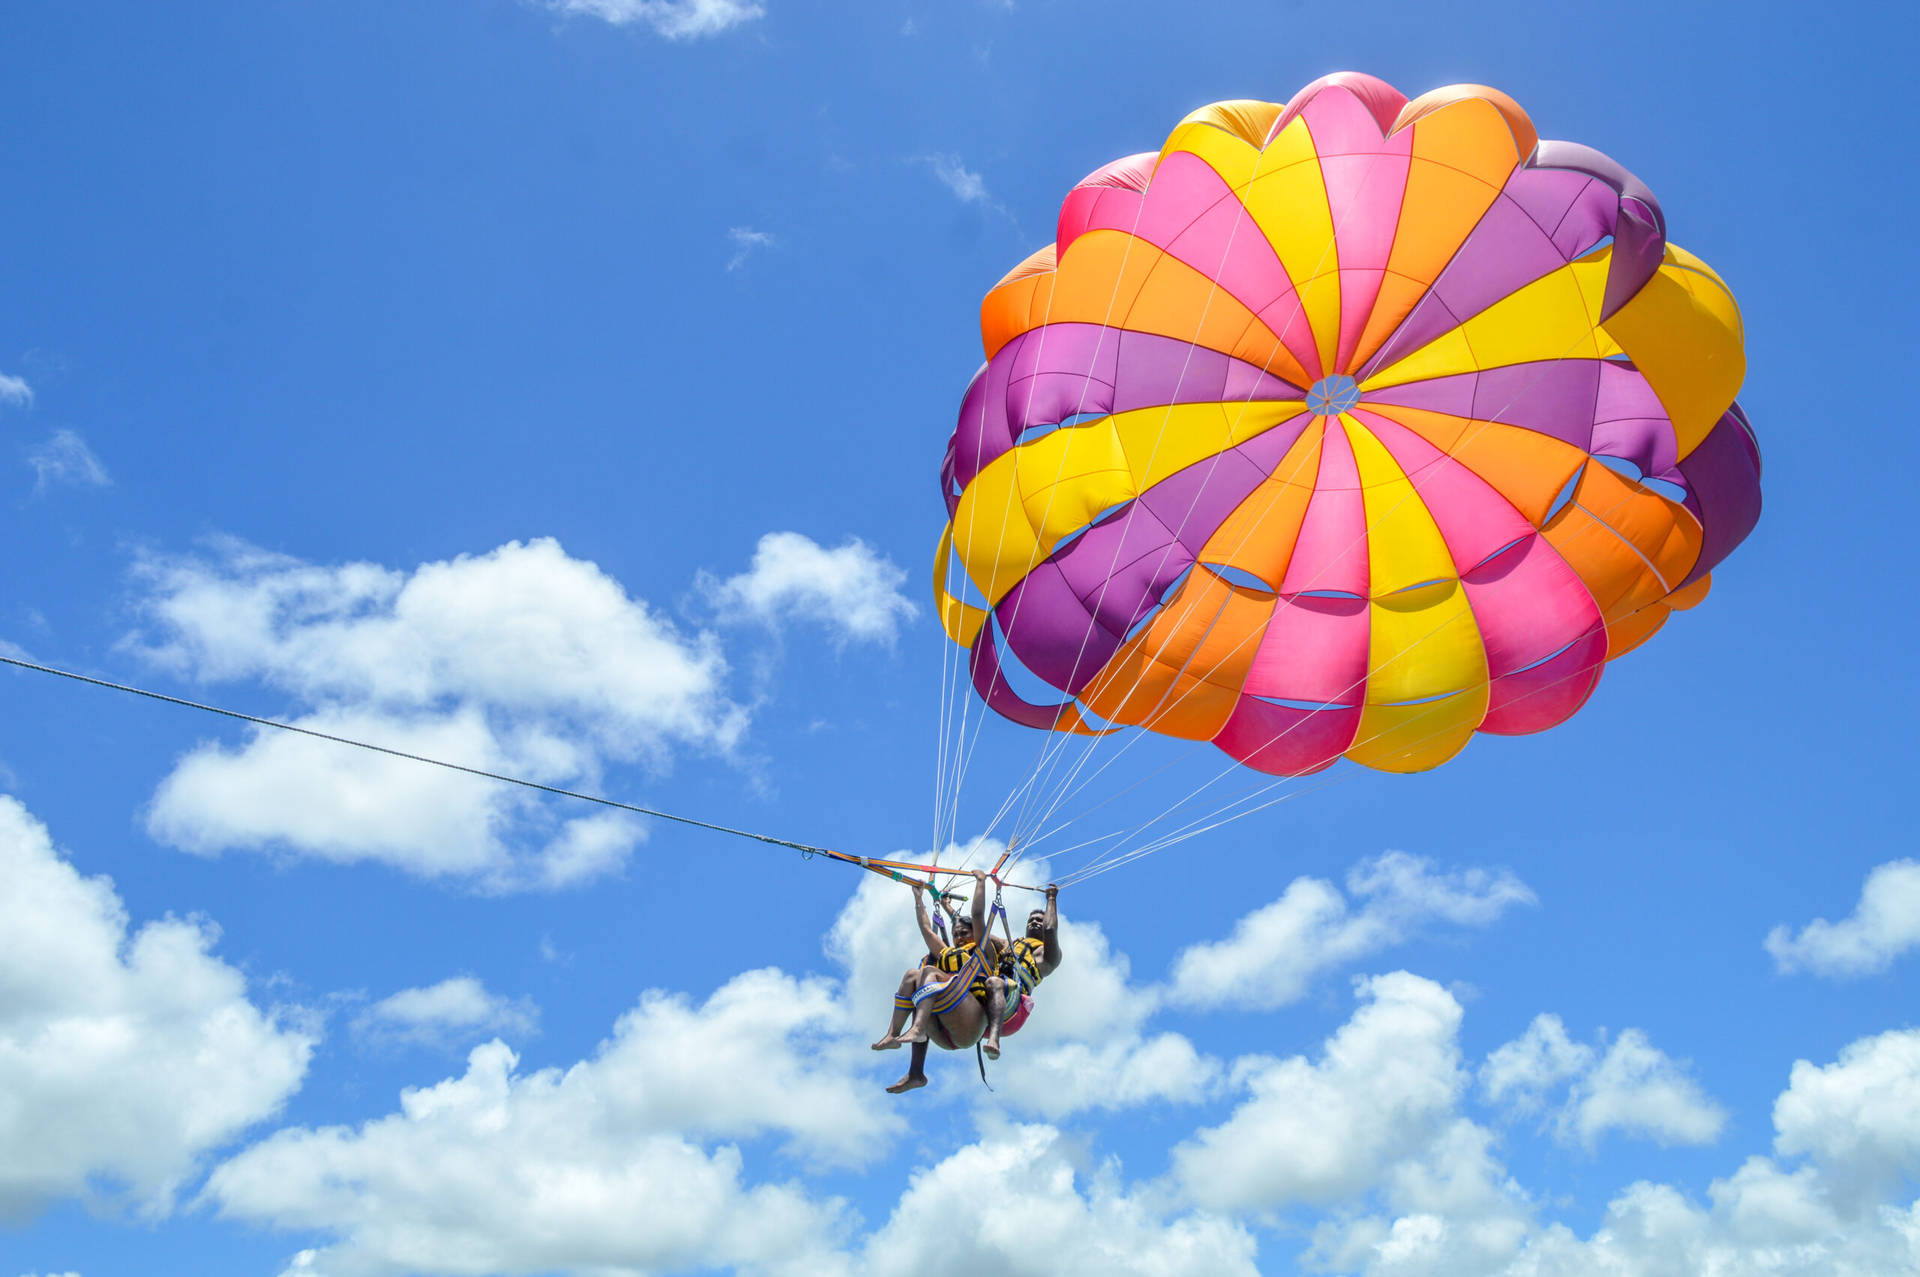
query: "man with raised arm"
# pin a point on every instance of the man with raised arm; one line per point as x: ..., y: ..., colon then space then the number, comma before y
x: 1024, y: 964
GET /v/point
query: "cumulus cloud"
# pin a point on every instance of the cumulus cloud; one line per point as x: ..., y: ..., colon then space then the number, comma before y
x: 63, y: 460
x: 1372, y: 1134
x: 1316, y: 1131
x: 745, y: 240
x: 124, y: 1059
x: 1277, y: 951
x: 1630, y: 1087
x: 644, y: 1157
x: 522, y: 661
x: 1883, y: 925
x: 967, y: 186
x: 1858, y: 1119
x: 1636, y: 1089
x: 15, y: 392
x: 1523, y: 1071
x: 454, y: 1010
x: 851, y: 591
x: 603, y: 1166
x: 674, y: 19
x: 1021, y: 1202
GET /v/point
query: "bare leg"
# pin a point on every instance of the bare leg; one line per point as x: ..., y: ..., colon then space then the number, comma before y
x: 916, y: 1071
x: 996, y: 1016
x: 902, y: 1008
x: 923, y: 1014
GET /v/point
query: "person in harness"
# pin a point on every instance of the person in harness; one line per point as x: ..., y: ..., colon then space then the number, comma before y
x: 1023, y: 965
x: 946, y: 995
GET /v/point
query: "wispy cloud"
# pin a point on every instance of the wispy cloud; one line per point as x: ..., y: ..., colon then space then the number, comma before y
x: 15, y: 392
x: 745, y: 241
x: 64, y: 460
x: 967, y: 186
x: 444, y: 1015
x: 674, y: 19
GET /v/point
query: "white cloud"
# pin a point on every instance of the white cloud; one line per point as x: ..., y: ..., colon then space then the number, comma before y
x: 617, y: 1164
x: 1521, y: 1073
x: 521, y: 661
x: 1884, y: 925
x: 674, y: 19
x: 64, y: 460
x: 454, y: 1010
x: 15, y: 392
x: 853, y: 592
x: 1858, y: 1119
x: 1277, y: 951
x: 967, y: 186
x: 124, y: 1060
x: 1372, y: 1135
x: 596, y: 1167
x: 1014, y: 1203
x: 1320, y: 1131
x: 745, y: 240
x: 1637, y: 1090
x: 1631, y: 1087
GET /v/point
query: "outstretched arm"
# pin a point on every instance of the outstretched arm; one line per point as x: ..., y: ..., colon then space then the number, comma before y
x: 1050, y: 936
x: 934, y: 942
x: 980, y: 905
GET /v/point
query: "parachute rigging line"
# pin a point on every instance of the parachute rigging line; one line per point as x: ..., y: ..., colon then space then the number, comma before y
x: 896, y: 869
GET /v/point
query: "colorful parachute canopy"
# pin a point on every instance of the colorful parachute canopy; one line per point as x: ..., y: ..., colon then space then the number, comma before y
x: 1350, y: 427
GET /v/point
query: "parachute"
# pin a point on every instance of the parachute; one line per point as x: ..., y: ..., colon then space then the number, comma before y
x: 1350, y: 427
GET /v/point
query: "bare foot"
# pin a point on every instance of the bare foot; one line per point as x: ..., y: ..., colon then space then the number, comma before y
x: 911, y: 1082
x: 991, y: 1048
x: 915, y: 1035
x: 889, y: 1043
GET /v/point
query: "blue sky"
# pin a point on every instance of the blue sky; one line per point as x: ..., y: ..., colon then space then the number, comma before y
x: 560, y: 388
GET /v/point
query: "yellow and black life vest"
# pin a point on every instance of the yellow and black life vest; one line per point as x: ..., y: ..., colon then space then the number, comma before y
x: 954, y: 957
x: 1022, y: 961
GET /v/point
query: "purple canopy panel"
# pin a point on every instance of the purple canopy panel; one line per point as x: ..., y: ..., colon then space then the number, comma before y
x: 1194, y: 502
x: 982, y: 431
x: 1723, y: 488
x: 1428, y: 319
x: 1630, y: 423
x: 1577, y: 209
x: 1285, y: 741
x: 1122, y: 567
x: 1452, y: 395
x: 1053, y: 631
x: 990, y: 681
x: 1505, y: 251
x: 1639, y: 228
x: 1057, y: 372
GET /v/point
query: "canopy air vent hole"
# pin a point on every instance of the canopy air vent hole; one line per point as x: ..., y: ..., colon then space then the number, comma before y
x: 1331, y: 396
